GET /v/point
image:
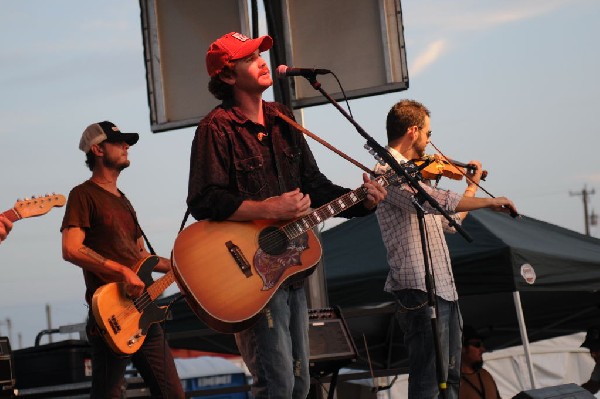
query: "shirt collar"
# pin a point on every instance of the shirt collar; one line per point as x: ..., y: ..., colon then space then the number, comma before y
x: 396, y: 154
x: 239, y: 117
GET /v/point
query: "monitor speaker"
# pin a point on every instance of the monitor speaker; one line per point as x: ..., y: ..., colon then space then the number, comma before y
x: 331, y: 345
x: 7, y: 378
x: 566, y: 391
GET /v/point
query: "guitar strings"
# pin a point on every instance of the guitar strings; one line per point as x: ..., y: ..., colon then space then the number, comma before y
x: 139, y: 304
x: 275, y: 239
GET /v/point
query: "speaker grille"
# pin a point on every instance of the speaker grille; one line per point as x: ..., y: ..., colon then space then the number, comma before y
x: 331, y: 345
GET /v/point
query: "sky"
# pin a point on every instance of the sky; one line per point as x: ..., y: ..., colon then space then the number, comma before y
x: 512, y: 83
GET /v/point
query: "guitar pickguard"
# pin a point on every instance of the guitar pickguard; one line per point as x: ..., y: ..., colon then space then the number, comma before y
x: 270, y: 268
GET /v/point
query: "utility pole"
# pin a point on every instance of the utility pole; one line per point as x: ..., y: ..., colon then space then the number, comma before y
x: 49, y: 321
x: 584, y: 196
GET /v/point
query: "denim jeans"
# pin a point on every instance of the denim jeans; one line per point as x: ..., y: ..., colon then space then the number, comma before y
x: 414, y: 318
x: 276, y: 348
x: 153, y: 360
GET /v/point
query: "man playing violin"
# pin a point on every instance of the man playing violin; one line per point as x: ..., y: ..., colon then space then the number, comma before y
x: 408, y: 130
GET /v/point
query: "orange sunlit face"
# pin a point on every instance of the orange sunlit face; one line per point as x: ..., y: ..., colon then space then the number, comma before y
x: 422, y: 139
x: 115, y: 155
x: 251, y: 74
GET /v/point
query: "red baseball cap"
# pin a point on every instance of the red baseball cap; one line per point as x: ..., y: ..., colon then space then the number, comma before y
x: 233, y: 46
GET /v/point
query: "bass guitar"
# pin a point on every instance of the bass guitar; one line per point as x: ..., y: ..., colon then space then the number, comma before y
x: 34, y: 206
x: 230, y: 270
x: 123, y: 321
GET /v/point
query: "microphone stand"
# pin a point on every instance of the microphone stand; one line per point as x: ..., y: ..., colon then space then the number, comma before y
x: 419, y: 198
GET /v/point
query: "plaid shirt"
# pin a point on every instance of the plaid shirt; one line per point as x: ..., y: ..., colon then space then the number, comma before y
x: 399, y: 226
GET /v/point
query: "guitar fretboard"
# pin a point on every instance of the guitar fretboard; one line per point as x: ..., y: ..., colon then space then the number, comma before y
x: 160, y: 285
x: 11, y: 215
x: 303, y: 224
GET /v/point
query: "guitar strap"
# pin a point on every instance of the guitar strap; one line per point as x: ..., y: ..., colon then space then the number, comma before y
x: 128, y: 204
x: 273, y: 144
x: 324, y: 143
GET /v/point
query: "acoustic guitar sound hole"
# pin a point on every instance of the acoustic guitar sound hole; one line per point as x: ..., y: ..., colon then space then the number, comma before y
x: 272, y: 241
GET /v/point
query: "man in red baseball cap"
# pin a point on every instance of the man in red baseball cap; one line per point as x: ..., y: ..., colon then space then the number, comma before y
x: 248, y: 164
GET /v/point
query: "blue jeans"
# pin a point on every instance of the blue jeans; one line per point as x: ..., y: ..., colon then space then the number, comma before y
x: 414, y: 317
x: 276, y: 348
x: 153, y: 360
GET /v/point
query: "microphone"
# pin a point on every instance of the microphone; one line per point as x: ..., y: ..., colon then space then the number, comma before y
x: 284, y: 71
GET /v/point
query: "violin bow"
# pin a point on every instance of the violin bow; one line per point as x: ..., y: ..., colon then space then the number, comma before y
x: 513, y: 214
x: 463, y: 173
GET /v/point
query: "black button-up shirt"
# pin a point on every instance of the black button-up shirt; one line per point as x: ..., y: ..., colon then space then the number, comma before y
x: 235, y: 159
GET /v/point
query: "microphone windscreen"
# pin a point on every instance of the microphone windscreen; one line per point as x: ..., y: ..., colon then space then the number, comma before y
x: 280, y: 72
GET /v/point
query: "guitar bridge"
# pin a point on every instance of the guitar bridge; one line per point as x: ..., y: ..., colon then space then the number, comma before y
x: 239, y: 258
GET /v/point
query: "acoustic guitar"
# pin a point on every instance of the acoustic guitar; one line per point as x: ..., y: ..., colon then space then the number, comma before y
x: 229, y: 271
x: 34, y: 206
x: 124, y: 321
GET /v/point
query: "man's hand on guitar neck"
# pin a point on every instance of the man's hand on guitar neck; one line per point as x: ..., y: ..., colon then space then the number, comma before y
x: 375, y: 192
x: 287, y: 206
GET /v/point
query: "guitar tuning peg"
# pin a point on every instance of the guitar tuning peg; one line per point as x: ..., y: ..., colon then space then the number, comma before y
x: 367, y: 146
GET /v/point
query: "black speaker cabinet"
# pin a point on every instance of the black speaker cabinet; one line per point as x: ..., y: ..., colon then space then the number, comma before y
x: 566, y: 391
x: 7, y: 378
x: 331, y: 345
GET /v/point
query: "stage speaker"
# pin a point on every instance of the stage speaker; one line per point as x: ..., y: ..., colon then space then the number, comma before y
x: 566, y: 391
x: 7, y: 378
x: 331, y: 345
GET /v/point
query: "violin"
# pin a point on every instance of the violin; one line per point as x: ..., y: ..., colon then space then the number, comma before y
x: 433, y: 168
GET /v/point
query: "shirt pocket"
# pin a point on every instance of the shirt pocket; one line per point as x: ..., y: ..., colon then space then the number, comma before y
x: 292, y: 165
x: 250, y: 176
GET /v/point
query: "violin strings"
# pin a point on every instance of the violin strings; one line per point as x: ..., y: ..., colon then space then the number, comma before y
x: 463, y: 173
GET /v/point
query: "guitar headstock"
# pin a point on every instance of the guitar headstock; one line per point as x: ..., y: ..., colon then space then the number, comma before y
x: 37, y: 206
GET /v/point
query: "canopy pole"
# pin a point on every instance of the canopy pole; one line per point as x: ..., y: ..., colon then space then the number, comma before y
x: 524, y: 338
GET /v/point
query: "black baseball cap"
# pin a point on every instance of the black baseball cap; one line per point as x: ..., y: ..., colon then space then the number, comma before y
x: 96, y: 133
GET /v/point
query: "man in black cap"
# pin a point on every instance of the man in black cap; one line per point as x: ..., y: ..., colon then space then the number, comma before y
x: 475, y: 381
x: 592, y: 342
x: 100, y: 234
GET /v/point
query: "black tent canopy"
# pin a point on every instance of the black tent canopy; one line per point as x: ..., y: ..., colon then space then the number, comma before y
x: 563, y: 260
x: 488, y: 272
